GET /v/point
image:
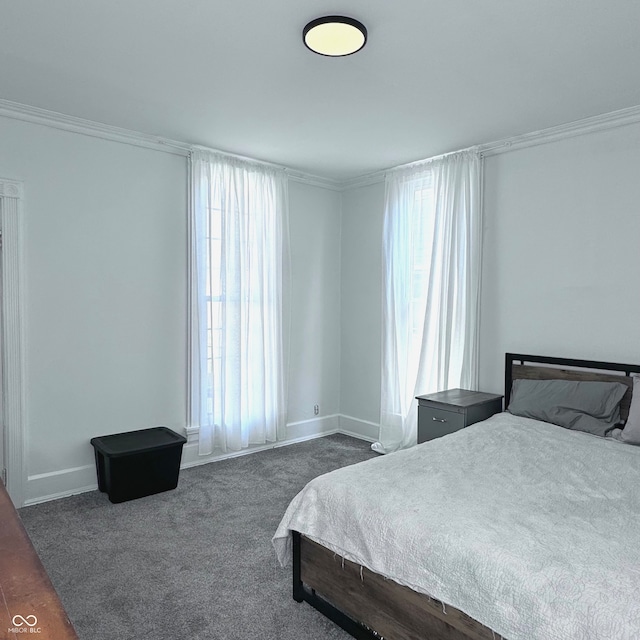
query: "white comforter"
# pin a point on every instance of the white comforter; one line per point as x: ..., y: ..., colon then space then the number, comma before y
x: 529, y: 528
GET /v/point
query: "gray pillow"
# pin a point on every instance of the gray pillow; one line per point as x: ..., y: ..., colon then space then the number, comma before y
x: 593, y: 407
x: 631, y: 431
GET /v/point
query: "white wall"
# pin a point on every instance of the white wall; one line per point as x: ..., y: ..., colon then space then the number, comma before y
x: 561, y: 253
x: 361, y: 309
x: 105, y: 258
x: 314, y: 337
x: 561, y: 263
x: 105, y: 263
x: 105, y: 310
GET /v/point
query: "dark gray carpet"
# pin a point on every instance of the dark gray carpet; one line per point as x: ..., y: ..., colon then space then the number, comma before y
x: 193, y: 563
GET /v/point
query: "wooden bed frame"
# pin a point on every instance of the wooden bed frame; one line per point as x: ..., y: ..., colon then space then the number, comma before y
x: 367, y: 605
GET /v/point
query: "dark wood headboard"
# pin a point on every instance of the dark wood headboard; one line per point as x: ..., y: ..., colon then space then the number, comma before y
x: 518, y: 366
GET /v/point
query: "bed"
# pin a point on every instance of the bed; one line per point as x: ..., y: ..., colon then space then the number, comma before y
x: 511, y: 528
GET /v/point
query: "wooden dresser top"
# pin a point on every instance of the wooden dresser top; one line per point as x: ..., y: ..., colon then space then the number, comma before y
x: 30, y: 601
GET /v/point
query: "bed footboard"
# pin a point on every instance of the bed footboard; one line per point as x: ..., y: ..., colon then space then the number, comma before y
x: 366, y: 605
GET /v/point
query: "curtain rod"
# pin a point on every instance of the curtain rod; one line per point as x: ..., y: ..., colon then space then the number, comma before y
x: 236, y: 156
x: 417, y: 163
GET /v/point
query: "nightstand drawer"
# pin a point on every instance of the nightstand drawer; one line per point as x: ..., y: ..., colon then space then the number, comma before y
x: 448, y: 411
x: 433, y: 423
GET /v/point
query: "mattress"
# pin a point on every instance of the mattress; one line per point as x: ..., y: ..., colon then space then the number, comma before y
x: 529, y: 528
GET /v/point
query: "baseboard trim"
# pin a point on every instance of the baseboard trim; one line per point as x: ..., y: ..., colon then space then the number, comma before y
x: 357, y: 428
x: 53, y: 485
x: 44, y: 487
x: 300, y: 431
x: 358, y: 436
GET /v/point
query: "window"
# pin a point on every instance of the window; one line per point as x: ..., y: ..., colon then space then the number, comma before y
x: 214, y: 302
x: 432, y: 249
x: 237, y: 387
x: 421, y: 246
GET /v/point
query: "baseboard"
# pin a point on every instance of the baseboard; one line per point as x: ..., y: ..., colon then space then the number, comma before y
x: 357, y: 428
x: 313, y: 428
x: 44, y: 487
x: 296, y: 432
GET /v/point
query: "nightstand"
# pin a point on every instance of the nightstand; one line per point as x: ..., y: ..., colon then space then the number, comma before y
x: 447, y: 411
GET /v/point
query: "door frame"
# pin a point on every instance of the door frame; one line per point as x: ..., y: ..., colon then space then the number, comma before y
x: 12, y: 336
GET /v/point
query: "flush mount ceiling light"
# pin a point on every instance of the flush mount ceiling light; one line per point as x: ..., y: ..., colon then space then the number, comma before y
x: 334, y: 36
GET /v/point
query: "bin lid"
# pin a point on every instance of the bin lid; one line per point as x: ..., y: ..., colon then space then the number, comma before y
x: 120, y: 444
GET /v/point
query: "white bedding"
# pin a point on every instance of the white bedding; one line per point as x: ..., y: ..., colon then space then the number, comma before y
x: 529, y: 528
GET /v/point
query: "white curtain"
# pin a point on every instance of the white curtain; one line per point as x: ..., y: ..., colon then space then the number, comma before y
x: 432, y: 260
x: 238, y: 224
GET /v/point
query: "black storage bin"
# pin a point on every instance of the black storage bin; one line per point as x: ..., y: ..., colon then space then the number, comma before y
x: 138, y: 463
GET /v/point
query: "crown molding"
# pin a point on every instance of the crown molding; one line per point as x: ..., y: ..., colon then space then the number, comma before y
x: 18, y: 111
x: 36, y: 115
x: 364, y: 180
x: 292, y: 174
x: 57, y: 120
x: 315, y: 181
x: 592, y: 124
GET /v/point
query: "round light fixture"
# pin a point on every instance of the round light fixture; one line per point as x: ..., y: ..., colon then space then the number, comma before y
x: 334, y: 36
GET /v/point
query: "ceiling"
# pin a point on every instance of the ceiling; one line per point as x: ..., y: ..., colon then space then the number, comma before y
x: 435, y: 76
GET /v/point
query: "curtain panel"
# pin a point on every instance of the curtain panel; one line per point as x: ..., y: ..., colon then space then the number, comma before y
x: 237, y: 235
x: 432, y: 262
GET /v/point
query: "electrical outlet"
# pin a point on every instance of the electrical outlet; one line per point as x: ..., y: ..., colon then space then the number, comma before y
x: 316, y: 409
